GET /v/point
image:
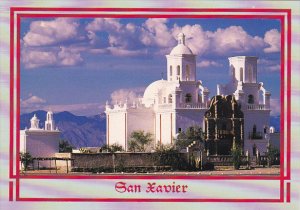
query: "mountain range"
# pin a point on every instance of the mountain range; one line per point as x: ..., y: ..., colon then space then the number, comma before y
x: 87, y: 131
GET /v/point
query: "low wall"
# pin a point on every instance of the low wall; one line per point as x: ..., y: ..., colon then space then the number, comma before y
x: 126, y: 160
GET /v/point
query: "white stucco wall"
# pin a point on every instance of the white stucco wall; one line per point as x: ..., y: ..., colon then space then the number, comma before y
x: 116, y: 133
x: 40, y: 143
x: 140, y: 119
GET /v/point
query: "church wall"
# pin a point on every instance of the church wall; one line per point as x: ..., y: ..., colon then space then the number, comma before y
x: 141, y: 119
x: 261, y: 145
x: 253, y: 90
x: 189, y: 88
x: 116, y: 133
x: 165, y: 126
x: 260, y: 118
x: 40, y: 144
x: 186, y: 118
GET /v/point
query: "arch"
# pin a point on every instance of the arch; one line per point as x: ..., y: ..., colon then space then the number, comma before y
x: 250, y: 74
x: 187, y: 72
x: 265, y: 129
x: 170, y: 99
x: 178, y: 70
x: 241, y: 74
x: 171, y: 71
x: 250, y: 99
x: 188, y: 98
x: 254, y: 129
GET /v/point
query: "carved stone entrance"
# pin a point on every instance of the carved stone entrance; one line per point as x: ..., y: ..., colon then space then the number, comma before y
x: 224, y: 124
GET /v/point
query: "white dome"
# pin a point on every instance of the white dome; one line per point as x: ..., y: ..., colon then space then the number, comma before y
x: 156, y: 88
x: 181, y: 49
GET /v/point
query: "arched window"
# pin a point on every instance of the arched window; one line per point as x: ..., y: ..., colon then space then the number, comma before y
x: 170, y: 99
x: 265, y: 129
x: 187, y: 72
x: 250, y: 99
x: 188, y: 98
x: 178, y: 70
x: 241, y: 74
x: 250, y: 74
x: 171, y: 71
x: 254, y: 129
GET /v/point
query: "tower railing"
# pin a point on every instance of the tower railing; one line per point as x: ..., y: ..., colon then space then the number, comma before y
x: 257, y: 107
x: 192, y: 106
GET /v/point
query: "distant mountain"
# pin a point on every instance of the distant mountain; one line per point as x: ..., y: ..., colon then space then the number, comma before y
x: 83, y: 131
x: 79, y: 131
x: 275, y: 122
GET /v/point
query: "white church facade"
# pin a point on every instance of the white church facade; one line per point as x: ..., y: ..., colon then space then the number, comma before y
x: 171, y: 106
x: 40, y: 142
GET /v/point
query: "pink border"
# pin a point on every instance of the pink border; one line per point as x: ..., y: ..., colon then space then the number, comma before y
x: 280, y: 17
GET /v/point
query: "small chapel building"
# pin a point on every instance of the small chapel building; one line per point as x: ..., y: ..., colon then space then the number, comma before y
x: 170, y: 106
x: 40, y: 142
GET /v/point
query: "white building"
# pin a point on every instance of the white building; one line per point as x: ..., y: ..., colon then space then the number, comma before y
x: 254, y: 100
x: 40, y: 142
x: 172, y: 105
x: 167, y: 107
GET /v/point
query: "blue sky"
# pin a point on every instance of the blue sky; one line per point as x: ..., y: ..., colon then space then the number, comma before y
x: 71, y: 64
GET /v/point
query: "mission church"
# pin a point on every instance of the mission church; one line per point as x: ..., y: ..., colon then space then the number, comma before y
x: 240, y: 112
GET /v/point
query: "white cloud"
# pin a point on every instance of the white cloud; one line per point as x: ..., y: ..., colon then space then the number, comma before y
x: 273, y: 68
x: 156, y: 33
x: 272, y: 38
x: 234, y: 39
x: 153, y: 37
x: 104, y: 24
x: 43, y: 33
x: 208, y: 63
x: 275, y: 106
x: 34, y: 58
x: 38, y: 58
x: 269, y: 65
x: 32, y: 103
x: 131, y: 95
x: 69, y: 57
x: 196, y: 38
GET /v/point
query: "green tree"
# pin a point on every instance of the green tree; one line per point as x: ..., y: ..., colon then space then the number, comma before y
x: 116, y: 148
x: 236, y: 152
x: 112, y: 148
x: 133, y: 146
x: 184, y: 139
x: 26, y: 159
x: 271, y: 154
x: 139, y: 140
x: 65, y: 146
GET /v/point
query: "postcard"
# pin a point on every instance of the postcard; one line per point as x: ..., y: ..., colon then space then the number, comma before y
x: 171, y: 106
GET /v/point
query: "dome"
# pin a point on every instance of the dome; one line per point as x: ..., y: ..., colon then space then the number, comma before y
x: 181, y: 49
x: 154, y: 88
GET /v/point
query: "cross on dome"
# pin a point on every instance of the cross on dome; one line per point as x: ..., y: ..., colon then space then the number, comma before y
x: 181, y: 38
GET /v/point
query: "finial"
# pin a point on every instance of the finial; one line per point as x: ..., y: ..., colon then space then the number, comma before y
x: 181, y: 38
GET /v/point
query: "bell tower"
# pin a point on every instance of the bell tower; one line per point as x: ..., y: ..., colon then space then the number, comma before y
x: 49, y: 123
x: 181, y: 62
